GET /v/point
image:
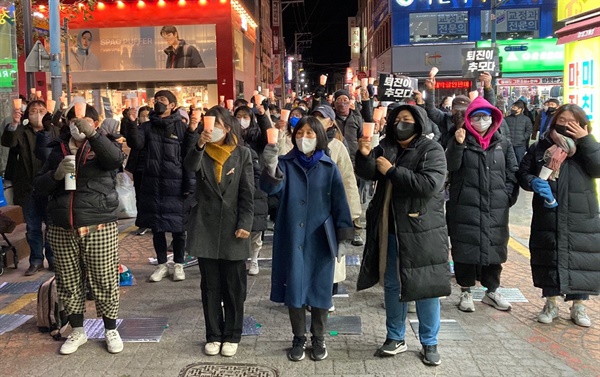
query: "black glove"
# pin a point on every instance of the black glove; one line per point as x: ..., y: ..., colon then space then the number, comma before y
x: 320, y: 91
x: 47, y: 121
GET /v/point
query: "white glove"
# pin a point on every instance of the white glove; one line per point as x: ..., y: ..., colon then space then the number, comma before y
x: 342, y: 250
x: 270, y: 154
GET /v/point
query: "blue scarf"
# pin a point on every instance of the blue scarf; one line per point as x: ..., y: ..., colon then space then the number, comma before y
x: 308, y: 162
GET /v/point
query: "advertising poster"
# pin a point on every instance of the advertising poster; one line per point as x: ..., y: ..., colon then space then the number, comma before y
x: 140, y: 48
x: 582, y: 77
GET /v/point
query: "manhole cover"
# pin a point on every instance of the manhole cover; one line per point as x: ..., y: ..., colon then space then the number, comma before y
x: 227, y: 370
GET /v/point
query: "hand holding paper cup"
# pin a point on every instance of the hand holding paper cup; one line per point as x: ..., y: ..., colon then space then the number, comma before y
x: 221, y: 99
x: 368, y: 129
x: 80, y: 109
x: 364, y: 82
x: 272, y: 135
x: 285, y: 115
x: 17, y: 102
x: 434, y: 71
x: 50, y: 105
x: 545, y: 173
x: 258, y: 99
x: 209, y: 123
x: 230, y: 104
x: 323, y: 80
x: 371, y: 80
x: 474, y: 94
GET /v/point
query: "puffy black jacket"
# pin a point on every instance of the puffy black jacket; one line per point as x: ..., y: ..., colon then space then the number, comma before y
x: 417, y: 206
x: 351, y: 128
x: 96, y: 200
x: 521, y: 128
x: 564, y: 240
x: 166, y: 184
x: 184, y: 56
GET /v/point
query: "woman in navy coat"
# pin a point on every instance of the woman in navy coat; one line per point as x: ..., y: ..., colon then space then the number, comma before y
x: 312, y: 228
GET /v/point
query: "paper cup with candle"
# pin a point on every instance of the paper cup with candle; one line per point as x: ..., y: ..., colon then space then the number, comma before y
x: 230, y: 104
x: 221, y: 98
x: 323, y: 80
x: 80, y: 109
x: 258, y: 99
x: 50, y: 105
x: 128, y: 103
x: 285, y: 115
x: 364, y: 82
x: 545, y: 173
x: 32, y: 90
x: 38, y: 94
x: 377, y: 114
x: 17, y: 102
x: 473, y: 94
x: 434, y: 71
x: 371, y: 80
x: 135, y: 102
x: 272, y: 135
x: 368, y: 129
x: 209, y: 122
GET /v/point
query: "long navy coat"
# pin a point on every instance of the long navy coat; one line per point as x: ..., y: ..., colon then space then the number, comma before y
x: 303, y: 263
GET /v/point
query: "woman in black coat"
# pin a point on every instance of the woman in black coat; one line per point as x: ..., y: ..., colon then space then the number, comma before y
x: 407, y: 241
x: 565, y: 228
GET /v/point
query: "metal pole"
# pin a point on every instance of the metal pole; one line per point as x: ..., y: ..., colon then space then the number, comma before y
x: 55, y: 66
x: 28, y: 41
x: 493, y: 20
x: 67, y: 64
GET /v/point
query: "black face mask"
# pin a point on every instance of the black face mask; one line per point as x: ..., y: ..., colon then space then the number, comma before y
x: 404, y: 130
x: 561, y: 130
x: 514, y: 112
x: 551, y: 110
x: 160, y: 108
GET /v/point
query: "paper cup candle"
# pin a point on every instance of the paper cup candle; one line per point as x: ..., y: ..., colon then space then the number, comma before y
x: 323, y: 80
x: 364, y: 82
x: 80, y: 110
x: 209, y: 122
x: 285, y: 115
x: 368, y: 129
x: 230, y: 104
x: 371, y: 80
x: 50, y: 105
x: 434, y: 71
x: 17, y: 102
x: 272, y: 134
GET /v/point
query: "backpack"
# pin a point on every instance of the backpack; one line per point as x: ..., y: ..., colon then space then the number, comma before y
x: 51, y: 317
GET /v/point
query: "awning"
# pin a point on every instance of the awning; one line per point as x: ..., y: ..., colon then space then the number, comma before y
x: 578, y: 31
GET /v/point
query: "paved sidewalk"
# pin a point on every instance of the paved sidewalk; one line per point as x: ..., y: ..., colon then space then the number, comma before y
x: 502, y: 343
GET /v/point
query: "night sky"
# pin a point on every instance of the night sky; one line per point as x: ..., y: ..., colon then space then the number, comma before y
x: 327, y: 20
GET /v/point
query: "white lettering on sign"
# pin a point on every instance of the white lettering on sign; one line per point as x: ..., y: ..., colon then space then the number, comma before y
x: 126, y: 41
x: 586, y: 33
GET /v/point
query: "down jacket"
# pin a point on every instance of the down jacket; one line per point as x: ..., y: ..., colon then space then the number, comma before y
x: 166, y: 188
x: 483, y: 186
x: 416, y: 183
x: 564, y: 240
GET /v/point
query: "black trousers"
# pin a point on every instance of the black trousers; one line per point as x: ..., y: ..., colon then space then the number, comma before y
x: 467, y: 274
x: 318, y: 320
x: 160, y: 246
x: 223, y: 281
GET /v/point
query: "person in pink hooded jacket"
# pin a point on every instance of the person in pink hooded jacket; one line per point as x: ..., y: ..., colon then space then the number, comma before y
x: 483, y: 186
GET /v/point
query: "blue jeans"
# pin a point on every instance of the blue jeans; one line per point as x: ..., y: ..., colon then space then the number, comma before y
x: 34, y: 213
x: 520, y: 152
x: 428, y: 310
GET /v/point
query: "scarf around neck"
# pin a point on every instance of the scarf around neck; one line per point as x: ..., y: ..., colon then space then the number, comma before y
x: 220, y: 154
x: 308, y: 162
x: 555, y: 155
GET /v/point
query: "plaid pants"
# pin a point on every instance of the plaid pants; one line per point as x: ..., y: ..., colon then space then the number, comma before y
x: 94, y: 254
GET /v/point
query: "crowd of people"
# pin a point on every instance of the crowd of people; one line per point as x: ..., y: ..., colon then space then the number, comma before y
x: 213, y: 178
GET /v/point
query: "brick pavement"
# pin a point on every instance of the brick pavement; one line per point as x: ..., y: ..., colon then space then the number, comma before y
x: 503, y: 344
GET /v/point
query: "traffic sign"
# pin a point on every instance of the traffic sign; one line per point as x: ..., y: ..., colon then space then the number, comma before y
x: 38, y: 59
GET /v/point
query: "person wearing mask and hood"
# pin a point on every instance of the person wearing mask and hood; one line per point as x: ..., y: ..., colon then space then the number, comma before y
x: 561, y: 170
x: 312, y: 229
x: 166, y: 186
x: 21, y: 136
x: 339, y: 154
x: 544, y: 118
x: 483, y: 186
x: 84, y: 233
x: 81, y: 57
x: 520, y: 128
x: 220, y: 226
x: 406, y: 249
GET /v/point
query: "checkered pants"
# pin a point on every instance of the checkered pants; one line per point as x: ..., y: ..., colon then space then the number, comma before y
x: 95, y: 254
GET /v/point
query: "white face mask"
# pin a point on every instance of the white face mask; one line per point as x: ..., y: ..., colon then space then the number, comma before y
x: 35, y: 119
x: 245, y: 123
x: 75, y: 134
x: 306, y: 145
x: 217, y: 135
x: 481, y: 125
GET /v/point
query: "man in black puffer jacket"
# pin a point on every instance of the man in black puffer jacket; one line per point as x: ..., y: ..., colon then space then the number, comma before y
x: 84, y: 234
x: 166, y: 186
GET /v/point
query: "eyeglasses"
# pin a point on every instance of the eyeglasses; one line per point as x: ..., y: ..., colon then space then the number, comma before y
x: 477, y: 118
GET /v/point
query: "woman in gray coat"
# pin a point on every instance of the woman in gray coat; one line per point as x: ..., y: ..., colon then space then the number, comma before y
x: 219, y: 227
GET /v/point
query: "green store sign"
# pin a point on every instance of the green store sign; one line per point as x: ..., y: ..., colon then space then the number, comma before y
x: 8, y: 73
x: 529, y: 55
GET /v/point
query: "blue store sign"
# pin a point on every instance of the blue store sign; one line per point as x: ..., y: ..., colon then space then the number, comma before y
x: 381, y: 11
x: 440, y: 5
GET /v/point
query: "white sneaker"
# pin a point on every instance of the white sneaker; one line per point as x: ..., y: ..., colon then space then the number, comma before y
x: 229, y: 349
x: 466, y: 302
x: 161, y: 271
x: 212, y: 348
x: 332, y: 309
x: 253, y: 270
x: 412, y: 307
x: 579, y: 316
x: 114, y: 344
x: 549, y: 312
x: 74, y: 340
x: 178, y: 273
x: 496, y: 300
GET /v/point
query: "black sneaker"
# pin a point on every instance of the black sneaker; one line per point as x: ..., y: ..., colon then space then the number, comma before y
x: 392, y: 347
x: 298, y: 347
x: 319, y: 350
x: 357, y: 241
x: 431, y: 355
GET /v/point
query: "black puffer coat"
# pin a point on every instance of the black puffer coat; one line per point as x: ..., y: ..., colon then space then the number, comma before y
x: 96, y: 200
x: 564, y: 241
x: 166, y: 188
x: 417, y: 199
x: 483, y: 186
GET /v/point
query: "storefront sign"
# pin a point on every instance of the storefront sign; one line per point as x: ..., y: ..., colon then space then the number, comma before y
x: 275, y: 13
x: 530, y: 81
x: 355, y: 42
x: 453, y: 84
x: 276, y: 40
x: 418, y: 60
x: 381, y: 11
x: 582, y: 77
x: 440, y: 5
x: 568, y: 9
x: 8, y: 73
x: 529, y: 55
x: 476, y: 61
x: 395, y: 88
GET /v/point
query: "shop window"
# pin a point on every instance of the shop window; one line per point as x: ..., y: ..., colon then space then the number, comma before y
x: 439, y: 27
x: 512, y: 24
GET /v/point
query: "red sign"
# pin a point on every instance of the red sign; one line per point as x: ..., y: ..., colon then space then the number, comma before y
x: 453, y: 84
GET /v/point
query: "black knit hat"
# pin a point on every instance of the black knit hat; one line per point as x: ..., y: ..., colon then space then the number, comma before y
x: 341, y: 92
x: 165, y: 93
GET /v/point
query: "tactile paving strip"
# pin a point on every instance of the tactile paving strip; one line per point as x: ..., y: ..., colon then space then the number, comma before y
x: 251, y: 327
x: 449, y: 330
x: 342, y: 325
x: 510, y: 294
x: 9, y: 322
x: 133, y: 330
x: 20, y: 288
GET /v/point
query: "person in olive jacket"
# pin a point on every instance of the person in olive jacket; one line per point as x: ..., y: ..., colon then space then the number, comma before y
x: 84, y: 233
x: 483, y: 186
x: 219, y: 228
x: 561, y: 170
x: 407, y: 241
